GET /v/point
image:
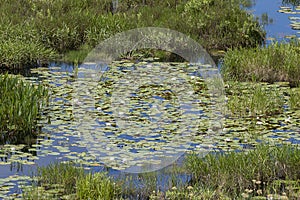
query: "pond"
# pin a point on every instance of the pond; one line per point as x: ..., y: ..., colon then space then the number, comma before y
x: 61, y: 139
x: 280, y: 18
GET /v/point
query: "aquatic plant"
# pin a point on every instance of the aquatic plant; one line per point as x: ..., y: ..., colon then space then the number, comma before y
x: 97, y: 186
x: 254, y: 100
x: 63, y: 26
x: 294, y: 101
x: 70, y: 182
x: 20, y: 105
x: 20, y: 46
x: 254, y: 172
x: 222, y: 24
x: 277, y: 62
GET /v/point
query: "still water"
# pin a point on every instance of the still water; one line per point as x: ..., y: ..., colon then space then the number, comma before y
x: 59, y: 140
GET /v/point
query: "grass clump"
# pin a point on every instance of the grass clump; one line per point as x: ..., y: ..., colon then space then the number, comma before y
x: 20, y: 106
x: 267, y: 170
x: 277, y: 62
x: 96, y: 186
x: 255, y: 101
x: 294, y: 101
x: 66, y: 181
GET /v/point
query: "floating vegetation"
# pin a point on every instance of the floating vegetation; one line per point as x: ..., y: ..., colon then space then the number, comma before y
x: 21, y: 103
x: 60, y: 139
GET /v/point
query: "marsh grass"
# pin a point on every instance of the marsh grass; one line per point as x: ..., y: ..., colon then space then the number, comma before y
x: 253, y: 173
x: 65, y: 180
x: 20, y: 46
x: 277, y: 62
x: 222, y: 24
x: 97, y: 186
x: 294, y: 101
x: 61, y: 26
x: 21, y: 103
x: 63, y: 175
x: 255, y: 101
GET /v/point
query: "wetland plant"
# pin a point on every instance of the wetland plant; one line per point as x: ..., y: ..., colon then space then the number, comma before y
x: 57, y: 27
x: 255, y: 100
x: 277, y: 62
x: 266, y: 170
x: 294, y: 101
x: 20, y: 105
x: 65, y: 180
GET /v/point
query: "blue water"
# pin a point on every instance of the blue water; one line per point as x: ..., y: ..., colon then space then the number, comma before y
x: 278, y: 28
x: 280, y: 25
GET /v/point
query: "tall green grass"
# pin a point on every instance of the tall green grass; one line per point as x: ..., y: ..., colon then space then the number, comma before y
x: 20, y: 105
x: 260, y: 172
x: 294, y: 101
x: 97, y: 186
x: 66, y: 181
x: 277, y: 62
x: 255, y: 101
x: 222, y: 24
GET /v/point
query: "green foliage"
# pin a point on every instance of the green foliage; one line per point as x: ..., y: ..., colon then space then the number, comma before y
x: 257, y: 170
x: 277, y: 62
x: 62, y: 174
x: 255, y: 101
x: 97, y: 186
x: 294, y: 101
x: 20, y: 46
x: 20, y: 105
x: 67, y: 25
x: 64, y: 180
x: 222, y: 24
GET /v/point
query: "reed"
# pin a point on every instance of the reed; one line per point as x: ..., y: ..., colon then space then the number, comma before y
x: 277, y: 62
x: 20, y: 105
x: 266, y: 170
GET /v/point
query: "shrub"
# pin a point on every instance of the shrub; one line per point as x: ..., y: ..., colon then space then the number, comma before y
x: 222, y: 24
x: 20, y: 46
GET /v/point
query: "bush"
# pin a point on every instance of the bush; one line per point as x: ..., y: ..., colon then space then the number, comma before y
x: 222, y: 24
x: 66, y: 25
